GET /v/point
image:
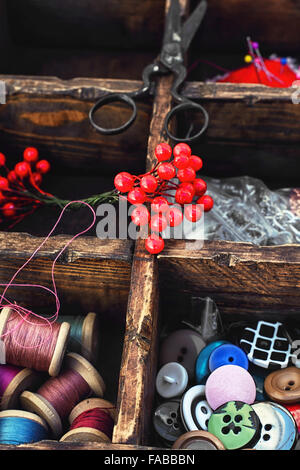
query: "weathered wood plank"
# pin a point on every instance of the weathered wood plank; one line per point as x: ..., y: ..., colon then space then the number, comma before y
x: 67, y: 446
x: 91, y: 274
x: 242, y: 277
x: 58, y: 125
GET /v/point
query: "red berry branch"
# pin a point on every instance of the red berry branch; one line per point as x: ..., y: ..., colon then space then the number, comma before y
x: 154, y: 188
x: 155, y: 207
x: 21, y: 193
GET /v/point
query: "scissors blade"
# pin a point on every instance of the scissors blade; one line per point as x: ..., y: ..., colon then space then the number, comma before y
x: 192, y: 24
x: 173, y: 24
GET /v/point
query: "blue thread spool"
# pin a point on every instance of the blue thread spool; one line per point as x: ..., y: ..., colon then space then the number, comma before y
x: 202, y: 368
x: 21, y: 427
x: 228, y: 354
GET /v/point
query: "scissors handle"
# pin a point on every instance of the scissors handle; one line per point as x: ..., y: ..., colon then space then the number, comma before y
x: 111, y: 98
x: 187, y: 106
x: 126, y: 98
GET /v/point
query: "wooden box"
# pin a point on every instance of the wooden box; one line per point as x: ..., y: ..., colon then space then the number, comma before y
x: 253, y: 130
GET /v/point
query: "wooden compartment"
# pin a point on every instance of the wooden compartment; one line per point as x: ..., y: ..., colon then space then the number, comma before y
x: 92, y: 276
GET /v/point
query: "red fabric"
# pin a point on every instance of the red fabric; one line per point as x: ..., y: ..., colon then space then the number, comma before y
x: 248, y: 74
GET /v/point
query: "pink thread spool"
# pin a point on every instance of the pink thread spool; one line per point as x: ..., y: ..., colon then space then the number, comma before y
x: 33, y: 343
x: 13, y: 381
x: 55, y: 399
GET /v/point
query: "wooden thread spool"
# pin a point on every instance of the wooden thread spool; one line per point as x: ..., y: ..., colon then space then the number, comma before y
x: 90, y: 434
x: 84, y: 335
x: 21, y: 427
x: 91, y: 383
x: 27, y: 355
x: 13, y: 381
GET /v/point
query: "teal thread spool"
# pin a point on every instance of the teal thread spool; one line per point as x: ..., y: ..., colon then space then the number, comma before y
x: 21, y: 427
x: 84, y: 335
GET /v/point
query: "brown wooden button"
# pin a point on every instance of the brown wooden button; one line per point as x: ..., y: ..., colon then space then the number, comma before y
x: 198, y: 440
x: 283, y: 386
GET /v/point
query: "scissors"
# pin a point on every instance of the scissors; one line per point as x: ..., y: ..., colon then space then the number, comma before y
x: 176, y: 41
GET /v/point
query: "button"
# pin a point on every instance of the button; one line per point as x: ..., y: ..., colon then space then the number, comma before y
x: 194, y: 409
x: 198, y: 440
x: 279, y: 430
x: 236, y: 425
x: 266, y: 345
x: 228, y: 354
x: 229, y: 383
x: 202, y: 363
x: 182, y: 346
x: 167, y: 422
x: 171, y: 380
x: 295, y: 412
x: 283, y: 386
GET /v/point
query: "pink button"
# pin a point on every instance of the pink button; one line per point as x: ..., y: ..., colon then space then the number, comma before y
x: 229, y: 383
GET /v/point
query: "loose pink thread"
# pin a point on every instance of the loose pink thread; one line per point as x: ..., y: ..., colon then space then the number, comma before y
x: 25, y: 313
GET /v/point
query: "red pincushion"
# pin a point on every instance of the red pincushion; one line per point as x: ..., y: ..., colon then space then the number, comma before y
x: 249, y: 74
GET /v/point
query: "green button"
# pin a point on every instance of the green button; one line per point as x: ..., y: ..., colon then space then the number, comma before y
x: 236, y: 425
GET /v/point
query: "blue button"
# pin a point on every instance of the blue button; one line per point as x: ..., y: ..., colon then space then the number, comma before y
x: 228, y: 354
x: 202, y: 368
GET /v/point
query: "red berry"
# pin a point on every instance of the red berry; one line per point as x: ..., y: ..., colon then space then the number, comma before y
x: 189, y: 187
x: 2, y: 159
x: 12, y: 177
x: 193, y: 212
x: 124, y: 182
x: 158, y: 223
x: 174, y: 216
x: 154, y: 244
x: 200, y: 187
x: 182, y: 149
x: 149, y: 183
x: 207, y: 202
x: 2, y: 198
x: 195, y: 162
x: 182, y: 161
x: 159, y: 204
x: 43, y: 166
x: 166, y: 171
x: 186, y: 175
x: 136, y: 196
x: 22, y: 169
x: 9, y: 210
x: 31, y: 155
x: 163, y: 152
x: 183, y: 196
x: 37, y: 178
x: 140, y: 215
x: 3, y: 183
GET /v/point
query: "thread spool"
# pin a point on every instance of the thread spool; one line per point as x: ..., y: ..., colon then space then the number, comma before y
x: 84, y: 334
x: 23, y: 344
x: 55, y: 399
x: 91, y: 420
x: 13, y: 381
x: 21, y: 427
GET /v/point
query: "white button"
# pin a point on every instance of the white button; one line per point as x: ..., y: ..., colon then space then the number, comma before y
x: 171, y: 380
x: 195, y: 411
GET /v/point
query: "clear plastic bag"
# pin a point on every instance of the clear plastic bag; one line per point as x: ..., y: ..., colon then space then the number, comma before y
x: 246, y: 210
